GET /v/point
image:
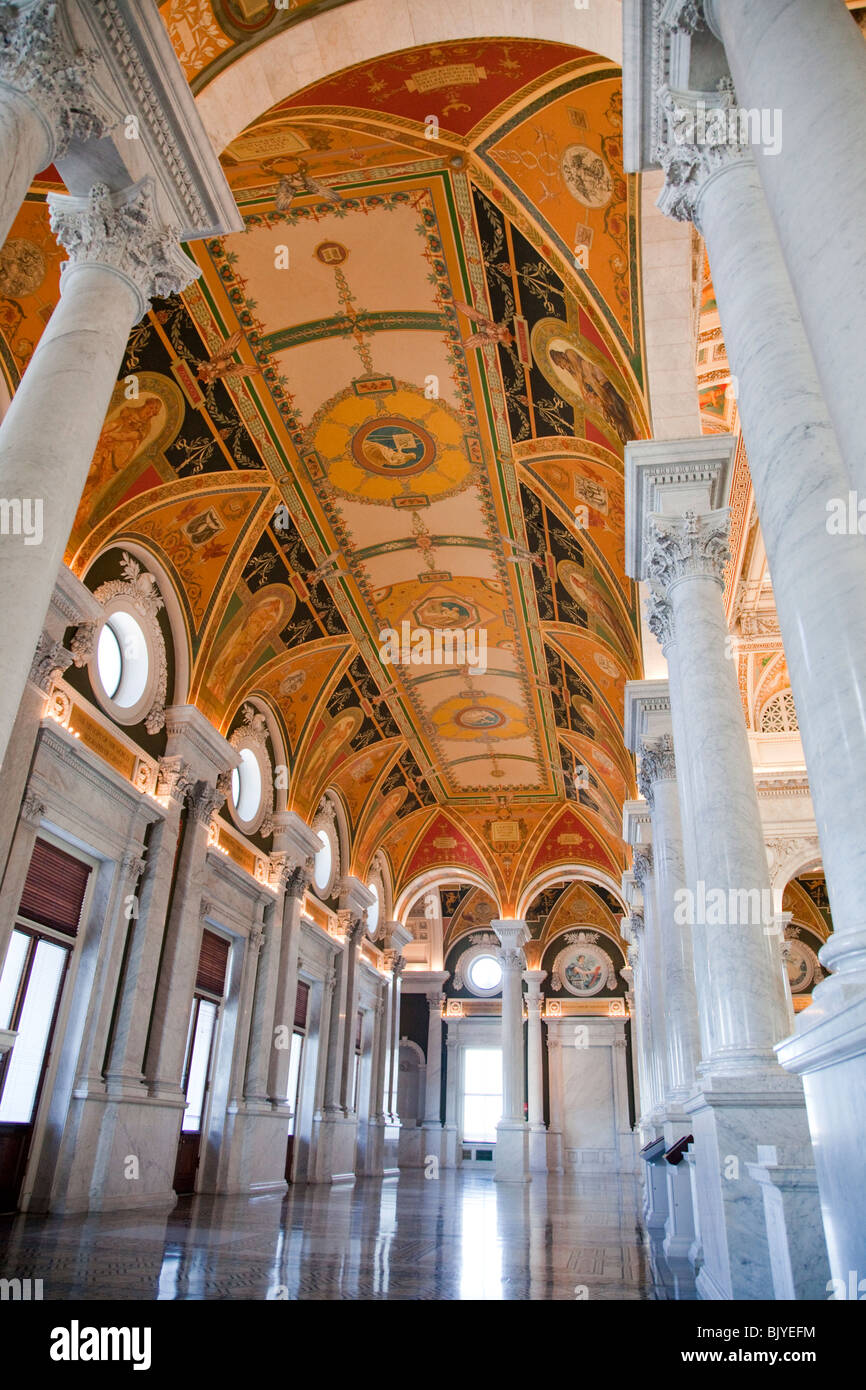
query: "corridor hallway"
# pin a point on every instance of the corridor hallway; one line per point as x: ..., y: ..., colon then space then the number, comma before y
x: 460, y: 1236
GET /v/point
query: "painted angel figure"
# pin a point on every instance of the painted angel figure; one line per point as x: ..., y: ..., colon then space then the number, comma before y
x: 488, y: 330
x: 221, y: 363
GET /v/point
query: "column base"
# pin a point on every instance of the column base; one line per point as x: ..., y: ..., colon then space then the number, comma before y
x: 410, y: 1148
x: 730, y: 1116
x: 554, y: 1152
x: 538, y: 1155
x: 511, y: 1156
x: 792, y: 1209
x: 828, y: 1052
x: 656, y: 1203
x: 335, y: 1139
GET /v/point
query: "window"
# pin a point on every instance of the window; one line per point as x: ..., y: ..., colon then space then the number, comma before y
x: 323, y: 863
x: 482, y: 1093
x: 122, y: 659
x: 779, y: 715
x: 247, y: 786
x: 485, y: 973
x: 30, y: 991
x: 373, y: 909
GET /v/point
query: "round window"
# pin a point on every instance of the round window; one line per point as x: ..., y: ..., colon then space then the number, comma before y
x: 247, y: 786
x: 323, y: 863
x: 373, y: 910
x: 485, y: 973
x: 122, y: 659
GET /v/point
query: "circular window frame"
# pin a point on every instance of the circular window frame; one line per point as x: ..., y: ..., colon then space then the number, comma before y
x: 259, y: 752
x: 135, y: 713
x: 462, y: 970
x: 324, y: 825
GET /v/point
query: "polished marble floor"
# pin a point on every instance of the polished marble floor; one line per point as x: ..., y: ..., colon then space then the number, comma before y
x: 460, y: 1236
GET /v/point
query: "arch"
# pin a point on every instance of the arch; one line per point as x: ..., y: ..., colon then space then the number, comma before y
x: 790, y: 858
x: 577, y: 873
x: 438, y: 878
x: 305, y: 53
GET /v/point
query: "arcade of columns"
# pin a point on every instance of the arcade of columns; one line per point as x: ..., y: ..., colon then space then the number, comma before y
x: 710, y: 1000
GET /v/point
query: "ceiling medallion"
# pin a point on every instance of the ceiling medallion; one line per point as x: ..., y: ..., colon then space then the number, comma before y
x: 390, y: 445
x: 479, y: 717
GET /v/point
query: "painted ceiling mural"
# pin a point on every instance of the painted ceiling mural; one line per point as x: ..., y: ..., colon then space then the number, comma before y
x: 396, y: 405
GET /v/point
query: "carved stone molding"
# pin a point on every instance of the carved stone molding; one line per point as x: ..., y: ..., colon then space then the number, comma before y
x: 299, y: 879
x: 39, y: 59
x: 657, y: 764
x: 686, y: 547
x: 122, y: 233
x: 254, y: 728
x: 83, y: 644
x: 49, y: 662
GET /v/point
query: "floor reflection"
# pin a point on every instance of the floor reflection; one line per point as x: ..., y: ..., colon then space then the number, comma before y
x: 458, y: 1236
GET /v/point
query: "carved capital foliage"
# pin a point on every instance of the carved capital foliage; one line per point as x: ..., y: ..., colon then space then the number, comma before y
x: 174, y: 778
x: 32, y: 809
x: 49, y: 662
x: 657, y: 764
x: 38, y: 58
x: 204, y: 802
x: 83, y: 644
x: 698, y: 140
x: 122, y: 232
x: 298, y: 879
x: 643, y: 863
x: 636, y: 922
x: 660, y: 618
x: 687, y: 546
x: 132, y: 865
x: 512, y: 958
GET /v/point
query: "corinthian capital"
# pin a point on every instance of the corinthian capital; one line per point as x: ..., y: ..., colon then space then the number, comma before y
x: 124, y: 234
x: 39, y: 59
x: 687, y: 546
x: 49, y: 662
x: 660, y: 618
x: 205, y: 802
x: 699, y: 139
x: 657, y: 764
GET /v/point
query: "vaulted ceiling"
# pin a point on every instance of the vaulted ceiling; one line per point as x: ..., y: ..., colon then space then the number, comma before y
x: 401, y: 396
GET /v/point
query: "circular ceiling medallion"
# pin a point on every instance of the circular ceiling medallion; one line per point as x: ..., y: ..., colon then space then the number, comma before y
x: 331, y: 252
x: 586, y: 176
x: 390, y: 445
x: 479, y: 717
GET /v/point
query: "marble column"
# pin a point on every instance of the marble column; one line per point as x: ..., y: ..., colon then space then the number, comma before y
x: 432, y: 1124
x: 119, y: 257
x: 819, y: 577
x: 396, y: 938
x: 644, y: 876
x: 511, y: 1158
x: 803, y: 62
x: 354, y: 929
x: 296, y: 880
x: 632, y: 928
x: 48, y: 97
x: 657, y: 781
x: 535, y: 1075
x: 678, y: 539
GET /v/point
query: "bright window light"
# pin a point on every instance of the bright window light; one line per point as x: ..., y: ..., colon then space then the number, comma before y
x: 122, y: 659
x: 323, y: 862
x: 485, y: 972
x: 482, y: 1093
x: 247, y: 785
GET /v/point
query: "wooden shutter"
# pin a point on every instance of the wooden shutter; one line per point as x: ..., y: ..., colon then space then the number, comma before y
x: 302, y: 1000
x: 55, y: 887
x: 212, y: 962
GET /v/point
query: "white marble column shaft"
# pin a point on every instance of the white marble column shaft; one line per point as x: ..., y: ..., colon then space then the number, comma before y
x: 745, y: 1010
x: 512, y: 1132
x: 682, y: 1041
x: 433, y: 1073
x: 804, y: 63
x: 652, y: 969
x: 819, y: 579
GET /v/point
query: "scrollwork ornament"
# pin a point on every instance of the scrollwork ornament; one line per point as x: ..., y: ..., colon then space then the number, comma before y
x: 49, y: 662
x: 83, y: 644
x: 32, y: 809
